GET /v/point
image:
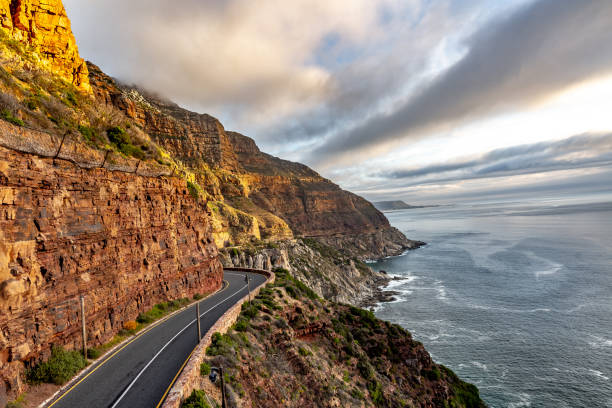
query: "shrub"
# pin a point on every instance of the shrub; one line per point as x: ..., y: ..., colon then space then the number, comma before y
x: 221, y: 344
x: 61, y: 367
x: 117, y: 136
x: 9, y: 117
x: 197, y: 399
x: 17, y: 403
x: 204, y: 369
x: 71, y: 98
x: 197, y: 296
x: 93, y: 353
x: 194, y: 189
x: 241, y: 325
x: 433, y: 374
x: 130, y: 325
x: 304, y: 352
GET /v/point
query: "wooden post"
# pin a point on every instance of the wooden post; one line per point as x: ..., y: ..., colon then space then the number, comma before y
x: 222, y: 388
x: 249, y: 288
x: 83, y: 326
x: 198, y: 320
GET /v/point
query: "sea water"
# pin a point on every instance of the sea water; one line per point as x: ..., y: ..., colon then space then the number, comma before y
x: 515, y: 298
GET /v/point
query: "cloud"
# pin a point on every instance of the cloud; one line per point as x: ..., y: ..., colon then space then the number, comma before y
x: 246, y: 61
x: 512, y: 62
x: 577, y: 152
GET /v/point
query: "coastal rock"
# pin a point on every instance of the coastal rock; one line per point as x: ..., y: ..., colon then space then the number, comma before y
x: 44, y: 26
x: 123, y: 241
x: 330, y: 273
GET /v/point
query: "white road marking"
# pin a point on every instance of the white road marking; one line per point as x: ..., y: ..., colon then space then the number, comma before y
x: 166, y: 345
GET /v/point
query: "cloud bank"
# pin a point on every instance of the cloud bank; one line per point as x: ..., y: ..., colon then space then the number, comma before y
x: 512, y: 62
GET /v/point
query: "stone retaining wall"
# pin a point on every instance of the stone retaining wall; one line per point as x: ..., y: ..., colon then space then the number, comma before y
x: 190, y: 379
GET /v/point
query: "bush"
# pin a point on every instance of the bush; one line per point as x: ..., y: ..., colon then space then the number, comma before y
x: 304, y: 352
x: 197, y: 296
x: 197, y: 399
x: 433, y: 374
x: 93, y: 353
x: 241, y: 325
x: 130, y: 325
x: 204, y: 369
x: 9, y: 117
x: 61, y: 367
x: 194, y: 189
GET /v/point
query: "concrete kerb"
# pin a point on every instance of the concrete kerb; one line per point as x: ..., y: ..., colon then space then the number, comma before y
x: 190, y: 378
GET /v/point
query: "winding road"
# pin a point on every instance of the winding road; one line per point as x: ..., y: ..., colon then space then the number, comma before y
x: 140, y: 373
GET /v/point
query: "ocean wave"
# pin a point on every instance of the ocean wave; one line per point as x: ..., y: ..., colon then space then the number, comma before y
x: 598, y: 374
x: 524, y: 400
x: 480, y: 365
x: 600, y: 342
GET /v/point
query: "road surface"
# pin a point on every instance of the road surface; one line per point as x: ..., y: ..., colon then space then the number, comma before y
x: 139, y: 374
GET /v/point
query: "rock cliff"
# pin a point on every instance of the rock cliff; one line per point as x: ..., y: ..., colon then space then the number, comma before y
x: 330, y: 273
x: 124, y: 241
x: 283, y: 198
x: 44, y: 26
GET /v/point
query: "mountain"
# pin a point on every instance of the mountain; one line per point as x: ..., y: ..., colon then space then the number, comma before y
x: 394, y: 205
x: 113, y: 193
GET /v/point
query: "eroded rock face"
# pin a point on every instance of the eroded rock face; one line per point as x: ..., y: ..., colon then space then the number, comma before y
x: 125, y: 242
x: 44, y: 25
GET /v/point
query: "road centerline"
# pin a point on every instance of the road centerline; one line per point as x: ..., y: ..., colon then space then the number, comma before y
x: 129, y: 387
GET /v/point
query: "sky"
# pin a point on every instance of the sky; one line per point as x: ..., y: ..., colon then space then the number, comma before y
x: 429, y: 101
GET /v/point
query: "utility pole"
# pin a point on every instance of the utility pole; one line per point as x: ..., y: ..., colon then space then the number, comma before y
x: 82, y: 298
x: 222, y: 388
x: 198, y: 320
x: 216, y: 372
x: 248, y: 282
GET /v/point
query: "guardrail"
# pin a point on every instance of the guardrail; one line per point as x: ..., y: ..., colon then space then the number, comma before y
x: 190, y: 378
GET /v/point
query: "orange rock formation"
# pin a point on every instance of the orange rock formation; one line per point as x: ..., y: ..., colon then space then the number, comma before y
x: 44, y: 25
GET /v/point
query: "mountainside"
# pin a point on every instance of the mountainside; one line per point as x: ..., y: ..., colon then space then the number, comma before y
x: 292, y: 349
x: 44, y: 27
x: 393, y: 205
x: 283, y: 199
x: 122, y: 196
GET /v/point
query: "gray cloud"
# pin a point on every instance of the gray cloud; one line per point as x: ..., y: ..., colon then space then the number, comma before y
x: 515, y: 61
x: 577, y: 152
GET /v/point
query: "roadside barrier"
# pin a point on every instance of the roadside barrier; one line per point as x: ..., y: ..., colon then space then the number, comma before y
x: 190, y: 378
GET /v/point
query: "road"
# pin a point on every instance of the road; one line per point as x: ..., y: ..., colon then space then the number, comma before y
x: 139, y: 374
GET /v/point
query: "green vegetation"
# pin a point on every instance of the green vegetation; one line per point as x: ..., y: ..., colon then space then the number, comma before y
x: 194, y: 189
x: 197, y: 399
x: 9, y: 117
x: 61, y: 367
x: 295, y: 288
x: 204, y: 369
x: 161, y: 309
x: 123, y: 142
x: 17, y: 403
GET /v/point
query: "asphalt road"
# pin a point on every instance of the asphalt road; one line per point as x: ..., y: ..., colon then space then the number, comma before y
x: 139, y: 374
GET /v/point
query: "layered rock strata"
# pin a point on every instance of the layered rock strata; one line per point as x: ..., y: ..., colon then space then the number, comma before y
x: 44, y: 26
x: 123, y: 241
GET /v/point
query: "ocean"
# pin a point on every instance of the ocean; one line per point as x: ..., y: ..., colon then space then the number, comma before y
x: 516, y: 298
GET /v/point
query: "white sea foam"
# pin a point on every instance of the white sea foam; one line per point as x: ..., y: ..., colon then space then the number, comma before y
x: 480, y: 365
x: 600, y: 342
x: 524, y: 400
x: 599, y: 374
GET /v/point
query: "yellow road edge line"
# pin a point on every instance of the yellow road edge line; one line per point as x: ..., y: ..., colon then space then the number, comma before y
x: 175, y: 377
x: 146, y: 330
